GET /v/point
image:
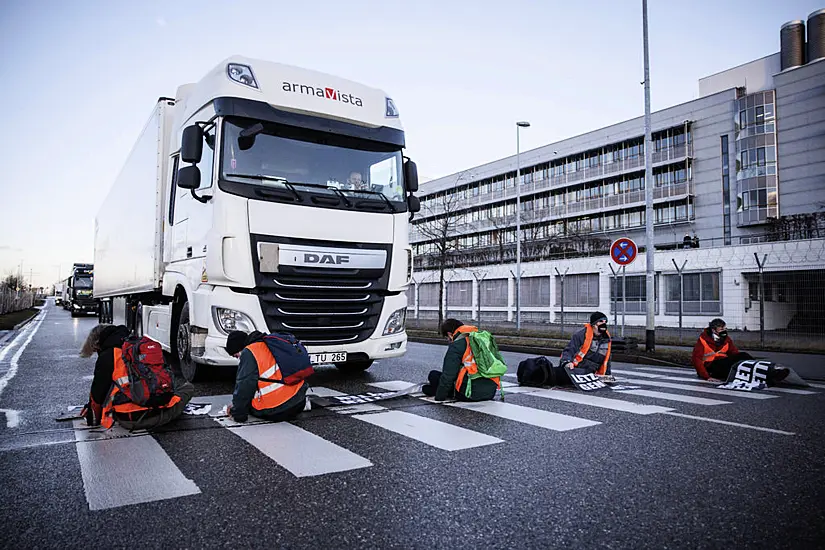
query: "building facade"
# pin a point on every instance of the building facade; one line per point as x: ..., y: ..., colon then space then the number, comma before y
x: 738, y: 174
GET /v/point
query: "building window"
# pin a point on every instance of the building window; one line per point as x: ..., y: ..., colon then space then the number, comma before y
x: 411, y: 296
x: 428, y: 294
x: 726, y: 190
x: 535, y: 291
x: 460, y: 293
x: 493, y: 293
x: 635, y: 299
x: 702, y: 293
x: 579, y: 290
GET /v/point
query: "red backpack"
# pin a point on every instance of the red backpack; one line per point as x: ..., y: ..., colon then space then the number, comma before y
x: 151, y: 381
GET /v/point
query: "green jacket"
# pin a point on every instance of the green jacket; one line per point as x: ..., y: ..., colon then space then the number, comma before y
x: 482, y: 388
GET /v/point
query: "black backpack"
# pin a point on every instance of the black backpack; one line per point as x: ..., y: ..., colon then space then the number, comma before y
x: 536, y: 371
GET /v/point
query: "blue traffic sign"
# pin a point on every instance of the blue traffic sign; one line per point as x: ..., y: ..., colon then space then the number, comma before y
x: 623, y: 251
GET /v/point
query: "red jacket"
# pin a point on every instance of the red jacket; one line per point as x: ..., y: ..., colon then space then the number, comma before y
x: 705, y: 346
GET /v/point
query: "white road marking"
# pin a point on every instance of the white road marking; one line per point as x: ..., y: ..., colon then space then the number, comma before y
x: 115, y: 471
x: 727, y: 423
x: 702, y: 381
x: 698, y: 389
x: 675, y: 397
x: 596, y: 401
x: 32, y: 330
x: 12, y: 417
x: 393, y: 385
x: 527, y: 415
x: 298, y: 451
x: 428, y: 431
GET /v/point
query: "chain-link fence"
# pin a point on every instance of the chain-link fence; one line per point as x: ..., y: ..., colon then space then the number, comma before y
x: 11, y: 300
x: 771, y: 296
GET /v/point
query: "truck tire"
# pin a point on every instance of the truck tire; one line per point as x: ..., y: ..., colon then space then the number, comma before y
x: 354, y: 366
x: 188, y: 367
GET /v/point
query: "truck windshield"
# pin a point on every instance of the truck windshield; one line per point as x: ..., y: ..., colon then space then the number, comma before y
x: 290, y: 159
x: 83, y: 282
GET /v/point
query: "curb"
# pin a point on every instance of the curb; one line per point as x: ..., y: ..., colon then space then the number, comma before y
x: 619, y: 357
x: 27, y: 321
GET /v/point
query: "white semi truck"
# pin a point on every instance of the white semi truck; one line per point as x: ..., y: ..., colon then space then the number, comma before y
x: 264, y: 197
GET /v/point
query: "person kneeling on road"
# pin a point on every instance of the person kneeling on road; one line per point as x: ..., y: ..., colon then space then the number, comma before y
x: 715, y: 354
x: 589, y: 348
x: 107, y: 402
x: 459, y: 363
x: 259, y: 387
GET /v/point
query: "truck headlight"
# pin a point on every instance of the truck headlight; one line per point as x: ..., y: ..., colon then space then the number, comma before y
x: 228, y: 320
x: 395, y: 323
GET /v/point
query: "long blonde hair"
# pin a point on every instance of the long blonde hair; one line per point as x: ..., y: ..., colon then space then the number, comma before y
x: 92, y: 343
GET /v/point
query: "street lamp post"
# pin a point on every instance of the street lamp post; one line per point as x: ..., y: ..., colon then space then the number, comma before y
x: 519, y: 126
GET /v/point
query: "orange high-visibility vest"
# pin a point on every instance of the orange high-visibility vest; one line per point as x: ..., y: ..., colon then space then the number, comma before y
x: 271, y: 391
x: 711, y: 354
x: 121, y: 376
x: 588, y: 340
x: 468, y: 361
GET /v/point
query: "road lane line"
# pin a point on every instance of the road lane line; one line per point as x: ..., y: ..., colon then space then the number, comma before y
x: 428, y: 431
x: 12, y: 372
x: 702, y: 381
x: 728, y: 423
x: 698, y: 389
x: 675, y: 397
x: 115, y: 471
x: 596, y: 401
x: 300, y: 452
x: 527, y: 415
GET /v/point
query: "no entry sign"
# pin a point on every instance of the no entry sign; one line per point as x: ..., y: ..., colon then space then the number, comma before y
x: 623, y: 251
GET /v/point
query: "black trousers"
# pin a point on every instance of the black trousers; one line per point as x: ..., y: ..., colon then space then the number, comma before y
x: 432, y: 383
x: 720, y: 368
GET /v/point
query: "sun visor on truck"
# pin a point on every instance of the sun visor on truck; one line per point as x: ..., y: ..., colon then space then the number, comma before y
x: 258, y: 110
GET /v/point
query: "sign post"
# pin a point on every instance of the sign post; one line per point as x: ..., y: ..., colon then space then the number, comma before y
x: 623, y: 251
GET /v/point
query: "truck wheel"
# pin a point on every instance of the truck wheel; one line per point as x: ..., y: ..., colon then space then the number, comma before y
x: 188, y: 368
x: 354, y: 366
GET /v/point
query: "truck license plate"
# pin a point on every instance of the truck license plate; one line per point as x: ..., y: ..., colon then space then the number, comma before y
x: 328, y: 357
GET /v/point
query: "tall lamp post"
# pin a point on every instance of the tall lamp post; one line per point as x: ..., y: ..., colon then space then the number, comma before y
x: 519, y: 126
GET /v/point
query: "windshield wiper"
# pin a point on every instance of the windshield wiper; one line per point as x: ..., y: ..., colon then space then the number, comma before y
x: 272, y: 178
x: 382, y: 195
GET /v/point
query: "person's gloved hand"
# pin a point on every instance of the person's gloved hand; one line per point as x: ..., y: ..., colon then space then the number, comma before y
x: 569, y: 365
x: 88, y: 413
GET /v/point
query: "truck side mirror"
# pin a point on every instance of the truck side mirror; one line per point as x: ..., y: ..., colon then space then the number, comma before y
x: 413, y: 204
x: 191, y: 144
x: 411, y: 176
x: 189, y: 177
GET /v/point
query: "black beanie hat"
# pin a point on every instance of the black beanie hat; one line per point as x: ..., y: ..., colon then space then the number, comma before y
x: 235, y: 342
x: 596, y: 317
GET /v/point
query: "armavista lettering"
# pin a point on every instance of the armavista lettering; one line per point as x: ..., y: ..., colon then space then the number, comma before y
x: 325, y: 93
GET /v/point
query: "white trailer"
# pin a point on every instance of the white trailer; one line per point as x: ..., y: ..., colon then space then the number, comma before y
x: 264, y: 197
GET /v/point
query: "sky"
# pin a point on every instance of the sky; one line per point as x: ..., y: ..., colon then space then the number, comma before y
x: 79, y: 78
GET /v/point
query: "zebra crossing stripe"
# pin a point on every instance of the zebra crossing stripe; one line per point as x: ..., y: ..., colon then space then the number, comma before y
x: 102, y: 463
x: 701, y: 381
x: 426, y: 430
x: 675, y: 397
x: 300, y: 452
x: 595, y: 401
x: 527, y: 415
x: 698, y: 389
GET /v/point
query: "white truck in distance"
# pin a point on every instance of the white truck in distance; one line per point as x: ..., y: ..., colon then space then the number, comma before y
x: 264, y: 197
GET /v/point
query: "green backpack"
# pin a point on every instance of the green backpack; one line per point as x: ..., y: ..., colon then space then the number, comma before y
x: 488, y: 359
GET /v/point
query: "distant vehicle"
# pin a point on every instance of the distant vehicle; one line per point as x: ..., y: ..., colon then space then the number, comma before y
x: 81, y: 286
x: 264, y: 197
x: 58, y: 294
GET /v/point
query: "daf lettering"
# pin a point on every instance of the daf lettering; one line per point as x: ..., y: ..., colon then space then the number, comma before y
x: 325, y: 259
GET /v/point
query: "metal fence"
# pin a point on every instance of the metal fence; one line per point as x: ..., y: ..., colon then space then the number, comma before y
x: 11, y: 300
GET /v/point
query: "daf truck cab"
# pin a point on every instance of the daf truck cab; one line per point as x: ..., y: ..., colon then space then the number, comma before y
x: 263, y: 197
x: 81, y: 283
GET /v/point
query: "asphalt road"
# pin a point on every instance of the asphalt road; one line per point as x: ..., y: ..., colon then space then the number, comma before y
x: 674, y: 465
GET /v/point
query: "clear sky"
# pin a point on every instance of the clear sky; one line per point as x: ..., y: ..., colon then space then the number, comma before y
x: 80, y: 77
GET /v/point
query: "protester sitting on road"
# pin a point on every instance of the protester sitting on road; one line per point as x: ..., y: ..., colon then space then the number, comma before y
x: 452, y: 380
x: 259, y: 390
x: 715, y: 353
x: 589, y: 348
x: 107, y: 341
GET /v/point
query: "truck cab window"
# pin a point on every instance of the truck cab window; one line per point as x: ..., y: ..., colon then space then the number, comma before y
x: 208, y: 159
x: 173, y: 188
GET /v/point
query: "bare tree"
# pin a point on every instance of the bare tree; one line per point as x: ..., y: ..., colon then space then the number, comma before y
x: 13, y: 281
x: 439, y: 226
